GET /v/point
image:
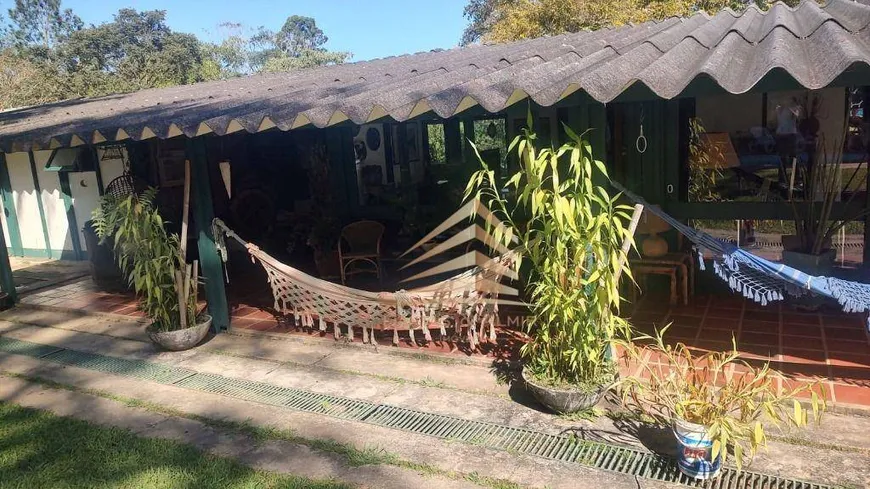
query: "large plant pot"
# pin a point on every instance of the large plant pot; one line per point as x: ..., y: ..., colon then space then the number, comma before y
x: 182, y: 339
x: 695, y: 451
x: 104, y: 270
x: 561, y: 400
x: 791, y: 242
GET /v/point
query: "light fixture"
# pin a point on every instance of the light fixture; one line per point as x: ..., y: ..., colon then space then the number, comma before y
x: 114, y: 152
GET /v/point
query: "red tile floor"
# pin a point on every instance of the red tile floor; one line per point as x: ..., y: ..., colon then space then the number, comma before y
x: 826, y: 345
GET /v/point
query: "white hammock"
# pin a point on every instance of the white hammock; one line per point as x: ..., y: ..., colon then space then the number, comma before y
x: 469, y: 299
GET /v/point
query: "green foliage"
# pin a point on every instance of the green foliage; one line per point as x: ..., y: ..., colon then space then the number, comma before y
x: 299, y: 34
x: 46, y: 53
x: 703, y: 172
x: 508, y: 20
x: 39, y: 26
x: 570, y: 231
x: 308, y: 58
x: 437, y: 143
x: 824, y: 181
x: 148, y: 255
x: 709, y: 391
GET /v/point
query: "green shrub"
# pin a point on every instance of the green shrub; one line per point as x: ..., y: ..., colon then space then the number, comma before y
x: 569, y: 230
x: 149, y: 256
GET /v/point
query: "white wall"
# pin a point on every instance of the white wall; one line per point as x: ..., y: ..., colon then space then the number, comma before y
x: 86, y: 198
x: 52, y: 203
x: 24, y: 196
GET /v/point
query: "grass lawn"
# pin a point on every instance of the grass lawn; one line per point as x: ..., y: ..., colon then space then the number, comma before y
x: 41, y: 450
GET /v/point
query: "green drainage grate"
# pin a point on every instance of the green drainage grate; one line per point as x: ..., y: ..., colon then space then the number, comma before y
x: 299, y: 400
x: 563, y: 448
x: 26, y: 348
x: 139, y: 369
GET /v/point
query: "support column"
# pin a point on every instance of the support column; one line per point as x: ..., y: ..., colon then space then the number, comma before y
x: 99, y: 171
x: 7, y: 282
x: 38, y: 191
x: 72, y: 222
x: 596, y: 115
x: 210, y: 262
x: 9, y: 208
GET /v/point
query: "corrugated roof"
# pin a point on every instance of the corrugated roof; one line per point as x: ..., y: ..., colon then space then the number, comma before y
x: 813, y: 43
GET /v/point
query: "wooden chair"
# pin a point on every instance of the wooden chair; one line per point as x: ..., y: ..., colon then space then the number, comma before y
x: 360, y: 242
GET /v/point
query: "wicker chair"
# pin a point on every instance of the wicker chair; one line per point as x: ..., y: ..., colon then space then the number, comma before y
x: 360, y: 242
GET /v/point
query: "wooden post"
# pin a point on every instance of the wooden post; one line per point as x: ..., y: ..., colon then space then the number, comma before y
x: 212, y: 267
x: 185, y: 212
x: 182, y: 283
x: 626, y: 243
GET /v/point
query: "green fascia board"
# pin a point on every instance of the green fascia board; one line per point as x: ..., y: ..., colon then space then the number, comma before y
x: 51, y: 254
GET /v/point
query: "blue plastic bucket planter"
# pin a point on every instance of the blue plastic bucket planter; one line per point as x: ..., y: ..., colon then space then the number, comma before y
x: 695, y: 451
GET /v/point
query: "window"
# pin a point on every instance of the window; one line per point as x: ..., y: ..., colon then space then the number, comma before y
x: 761, y: 147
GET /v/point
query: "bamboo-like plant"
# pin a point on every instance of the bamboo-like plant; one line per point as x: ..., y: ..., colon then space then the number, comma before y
x: 150, y: 259
x: 823, y: 184
x: 706, y: 390
x: 568, y: 230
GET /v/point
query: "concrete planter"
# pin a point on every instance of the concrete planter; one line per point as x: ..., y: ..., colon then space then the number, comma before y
x: 182, y: 339
x: 563, y: 401
x: 821, y: 265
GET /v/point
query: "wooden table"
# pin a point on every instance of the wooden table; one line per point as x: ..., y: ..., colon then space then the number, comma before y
x: 677, y: 266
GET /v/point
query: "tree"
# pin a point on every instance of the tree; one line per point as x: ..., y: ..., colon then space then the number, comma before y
x: 24, y: 82
x: 509, y: 20
x: 300, y: 34
x: 299, y: 44
x: 136, y: 50
x: 40, y: 25
x: 480, y: 19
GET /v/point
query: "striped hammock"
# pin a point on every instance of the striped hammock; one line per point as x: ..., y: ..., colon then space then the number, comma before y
x: 761, y: 280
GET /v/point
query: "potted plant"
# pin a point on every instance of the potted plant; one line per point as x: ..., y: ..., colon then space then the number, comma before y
x: 568, y: 233
x: 712, y: 407
x: 810, y: 248
x: 153, y: 263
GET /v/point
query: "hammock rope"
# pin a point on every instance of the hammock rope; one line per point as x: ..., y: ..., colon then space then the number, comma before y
x: 469, y: 299
x: 758, y: 279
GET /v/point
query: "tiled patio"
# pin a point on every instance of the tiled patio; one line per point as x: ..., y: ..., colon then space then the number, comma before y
x: 826, y: 345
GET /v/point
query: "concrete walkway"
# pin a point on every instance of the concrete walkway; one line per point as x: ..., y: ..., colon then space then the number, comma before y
x: 467, y: 391
x: 274, y: 456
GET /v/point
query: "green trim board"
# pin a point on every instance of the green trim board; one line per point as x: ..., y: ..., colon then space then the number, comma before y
x: 39, y: 204
x: 210, y: 262
x: 9, y: 207
x: 99, y: 171
x: 69, y: 206
x: 52, y: 254
x: 7, y: 281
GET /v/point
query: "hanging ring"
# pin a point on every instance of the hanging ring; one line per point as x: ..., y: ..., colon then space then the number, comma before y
x: 641, y: 143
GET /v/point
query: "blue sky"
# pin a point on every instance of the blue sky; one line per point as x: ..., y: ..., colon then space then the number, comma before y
x: 368, y: 29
